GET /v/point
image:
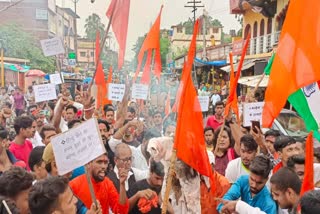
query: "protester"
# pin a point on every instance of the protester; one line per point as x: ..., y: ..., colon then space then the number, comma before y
x: 52, y: 195
x: 286, y: 147
x: 270, y: 138
x: 285, y: 189
x: 169, y: 128
x: 157, y: 121
x: 105, y: 135
x: 209, y: 136
x: 240, y: 166
x: 252, y: 188
x: 21, y: 147
x: 216, y: 120
x: 71, y: 113
x: 104, y: 189
x: 36, y: 164
x: 215, y: 97
x: 310, y: 202
x: 147, y: 188
x: 15, y: 184
x: 109, y: 114
x: 18, y: 101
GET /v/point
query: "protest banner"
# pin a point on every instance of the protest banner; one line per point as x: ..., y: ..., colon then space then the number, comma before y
x: 252, y: 112
x: 52, y: 47
x: 140, y: 91
x: 44, y: 92
x: 77, y: 146
x: 204, y: 103
x: 116, y: 91
x: 56, y: 79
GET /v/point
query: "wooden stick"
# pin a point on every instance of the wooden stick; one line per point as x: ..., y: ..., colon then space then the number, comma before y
x: 93, y: 196
x: 6, y: 206
x: 169, y: 182
x: 257, y: 86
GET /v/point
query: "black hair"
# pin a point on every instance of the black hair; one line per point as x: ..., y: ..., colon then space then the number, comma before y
x: 35, y: 157
x: 167, y: 124
x: 286, y: 178
x: 219, y: 103
x: 295, y: 159
x: 3, y: 133
x: 108, y: 107
x: 31, y: 107
x: 310, y: 202
x: 74, y: 109
x: 151, y: 133
x: 272, y: 132
x: 157, y: 168
x: 131, y: 110
x: 156, y: 112
x: 14, y: 181
x: 261, y: 166
x: 8, y: 104
x: 44, y: 195
x: 22, y: 122
x: 45, y: 128
x: 282, y: 142
x: 105, y: 123
x: 208, y: 128
x: 216, y: 136
x: 249, y: 142
x: 72, y: 123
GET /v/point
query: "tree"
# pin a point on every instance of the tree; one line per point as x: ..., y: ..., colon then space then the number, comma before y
x: 21, y: 44
x: 93, y: 23
x: 164, y: 50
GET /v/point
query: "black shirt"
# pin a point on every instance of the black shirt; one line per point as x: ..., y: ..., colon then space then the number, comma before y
x: 142, y: 185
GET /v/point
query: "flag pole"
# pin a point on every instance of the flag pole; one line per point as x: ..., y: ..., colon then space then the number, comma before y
x: 103, y: 43
x: 257, y: 86
x: 169, y: 182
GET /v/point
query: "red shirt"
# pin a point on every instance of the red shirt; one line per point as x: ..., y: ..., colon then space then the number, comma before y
x: 212, y: 121
x: 277, y: 167
x: 21, y: 152
x: 104, y: 191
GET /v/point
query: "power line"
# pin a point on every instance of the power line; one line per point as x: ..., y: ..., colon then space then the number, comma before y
x: 195, y: 5
x: 10, y: 5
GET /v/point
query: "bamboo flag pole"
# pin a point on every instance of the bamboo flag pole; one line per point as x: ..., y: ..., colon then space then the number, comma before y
x: 169, y: 182
x: 93, y: 196
x: 257, y: 86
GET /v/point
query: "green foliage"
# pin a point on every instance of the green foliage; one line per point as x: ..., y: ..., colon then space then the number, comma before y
x: 164, y: 50
x: 20, y: 44
x: 93, y: 23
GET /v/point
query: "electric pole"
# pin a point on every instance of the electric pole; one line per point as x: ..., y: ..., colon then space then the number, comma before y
x: 195, y: 5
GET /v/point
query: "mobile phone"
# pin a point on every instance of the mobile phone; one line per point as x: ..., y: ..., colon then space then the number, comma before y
x: 255, y: 124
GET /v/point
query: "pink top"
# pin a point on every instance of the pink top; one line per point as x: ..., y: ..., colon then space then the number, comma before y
x: 21, y: 152
x: 18, y: 100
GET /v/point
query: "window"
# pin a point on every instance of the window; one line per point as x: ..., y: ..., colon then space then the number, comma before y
x: 83, y: 54
x: 215, y: 30
x: 179, y: 29
x: 91, y: 54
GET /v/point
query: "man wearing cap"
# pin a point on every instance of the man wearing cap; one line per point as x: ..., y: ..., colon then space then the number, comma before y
x: 286, y: 147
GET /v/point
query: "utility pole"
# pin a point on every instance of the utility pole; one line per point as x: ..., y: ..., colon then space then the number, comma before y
x: 75, y: 29
x: 195, y: 5
x: 204, y: 27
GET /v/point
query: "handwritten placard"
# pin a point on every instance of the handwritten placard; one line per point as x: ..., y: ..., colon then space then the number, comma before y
x: 204, y: 102
x: 77, y: 146
x: 44, y: 92
x: 140, y: 91
x: 252, y: 112
x: 56, y: 79
x: 52, y: 47
x: 116, y: 91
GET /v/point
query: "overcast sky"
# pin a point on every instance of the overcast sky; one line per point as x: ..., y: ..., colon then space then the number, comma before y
x: 144, y: 12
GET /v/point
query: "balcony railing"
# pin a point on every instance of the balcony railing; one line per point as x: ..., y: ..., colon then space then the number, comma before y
x: 263, y: 44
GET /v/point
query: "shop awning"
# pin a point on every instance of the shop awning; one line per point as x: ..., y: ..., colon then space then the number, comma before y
x: 200, y: 63
x: 252, y: 81
x: 246, y: 64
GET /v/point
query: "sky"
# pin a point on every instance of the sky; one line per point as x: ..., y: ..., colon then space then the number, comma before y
x: 144, y: 12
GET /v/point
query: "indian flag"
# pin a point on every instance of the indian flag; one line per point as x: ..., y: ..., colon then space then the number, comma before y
x: 306, y: 101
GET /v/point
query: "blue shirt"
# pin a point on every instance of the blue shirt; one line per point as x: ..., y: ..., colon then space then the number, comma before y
x: 241, y: 189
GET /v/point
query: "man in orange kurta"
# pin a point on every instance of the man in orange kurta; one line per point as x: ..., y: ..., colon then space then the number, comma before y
x: 104, y: 189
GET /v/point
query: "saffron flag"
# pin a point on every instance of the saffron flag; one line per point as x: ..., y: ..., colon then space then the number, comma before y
x: 151, y: 42
x: 308, y: 183
x: 296, y: 63
x: 189, y: 139
x: 120, y: 18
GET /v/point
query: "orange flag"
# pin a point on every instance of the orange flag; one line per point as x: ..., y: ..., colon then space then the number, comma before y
x: 189, y: 139
x: 151, y: 42
x: 296, y: 63
x: 119, y: 23
x: 234, y: 81
x: 308, y: 183
x: 168, y: 105
x: 234, y: 102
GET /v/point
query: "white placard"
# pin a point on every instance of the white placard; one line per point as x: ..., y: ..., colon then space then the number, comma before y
x: 77, y: 146
x: 140, y: 91
x: 52, y: 47
x: 252, y: 112
x: 204, y: 102
x: 44, y: 92
x: 116, y: 91
x: 56, y: 79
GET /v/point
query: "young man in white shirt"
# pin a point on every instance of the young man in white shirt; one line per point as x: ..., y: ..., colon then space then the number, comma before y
x: 240, y: 166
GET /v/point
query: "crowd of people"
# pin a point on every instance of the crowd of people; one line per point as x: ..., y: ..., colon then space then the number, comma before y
x: 254, y: 172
